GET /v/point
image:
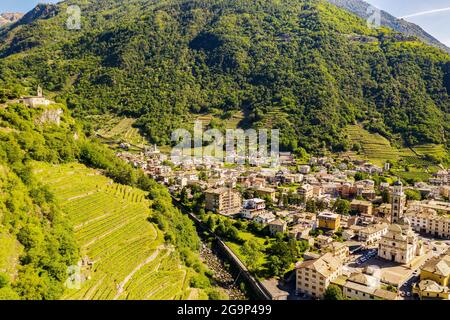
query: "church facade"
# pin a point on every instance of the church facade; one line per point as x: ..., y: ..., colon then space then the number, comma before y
x: 400, y: 243
x: 38, y: 100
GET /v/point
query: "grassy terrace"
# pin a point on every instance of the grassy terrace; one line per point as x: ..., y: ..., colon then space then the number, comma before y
x: 378, y: 150
x: 129, y: 256
x: 375, y: 147
x: 118, y: 129
x: 246, y: 236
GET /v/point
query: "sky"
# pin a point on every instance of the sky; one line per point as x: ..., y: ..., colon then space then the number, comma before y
x: 432, y: 15
x: 21, y: 5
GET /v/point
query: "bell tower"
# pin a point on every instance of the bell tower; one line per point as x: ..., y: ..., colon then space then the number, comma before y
x: 398, y: 202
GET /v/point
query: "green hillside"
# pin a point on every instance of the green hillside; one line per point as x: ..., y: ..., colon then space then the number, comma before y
x: 375, y: 147
x: 118, y: 129
x: 111, y: 219
x: 129, y: 255
x: 303, y: 66
x: 378, y: 150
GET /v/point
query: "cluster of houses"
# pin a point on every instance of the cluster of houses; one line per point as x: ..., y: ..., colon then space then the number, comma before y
x: 392, y: 229
x: 396, y: 242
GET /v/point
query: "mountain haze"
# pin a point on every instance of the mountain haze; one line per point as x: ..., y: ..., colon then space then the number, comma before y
x: 304, y: 66
x: 9, y: 17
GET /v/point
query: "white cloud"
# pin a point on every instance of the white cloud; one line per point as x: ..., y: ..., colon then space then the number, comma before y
x: 423, y: 13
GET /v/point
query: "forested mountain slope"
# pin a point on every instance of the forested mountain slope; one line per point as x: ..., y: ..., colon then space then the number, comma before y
x: 304, y: 66
x: 36, y: 240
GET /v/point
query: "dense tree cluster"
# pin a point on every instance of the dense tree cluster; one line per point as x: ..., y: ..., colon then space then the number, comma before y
x: 28, y: 211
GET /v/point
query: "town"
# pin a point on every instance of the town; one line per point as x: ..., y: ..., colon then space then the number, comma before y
x: 358, y: 231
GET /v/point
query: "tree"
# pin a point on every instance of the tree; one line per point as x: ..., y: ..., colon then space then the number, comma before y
x: 311, y: 206
x: 413, y: 195
x: 385, y: 195
x: 252, y: 252
x: 203, y: 176
x: 232, y: 233
x: 211, y: 222
x: 269, y: 201
x: 286, y: 254
x: 360, y: 176
x: 274, y: 266
x: 4, y: 280
x: 216, y: 294
x: 8, y: 293
x: 333, y: 292
x: 184, y: 196
x: 342, y: 206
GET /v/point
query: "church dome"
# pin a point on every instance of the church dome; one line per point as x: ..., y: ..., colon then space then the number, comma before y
x: 406, y: 221
x: 398, y: 183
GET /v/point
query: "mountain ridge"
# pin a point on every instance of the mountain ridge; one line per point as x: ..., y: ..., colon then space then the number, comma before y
x: 362, y: 9
x: 9, y: 18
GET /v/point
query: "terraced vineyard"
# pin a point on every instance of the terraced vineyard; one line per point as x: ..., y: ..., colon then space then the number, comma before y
x: 231, y: 123
x: 119, y: 129
x: 375, y: 147
x: 123, y: 255
x: 437, y: 151
x: 378, y: 149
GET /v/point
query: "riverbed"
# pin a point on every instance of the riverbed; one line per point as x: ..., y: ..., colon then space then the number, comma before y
x: 222, y: 276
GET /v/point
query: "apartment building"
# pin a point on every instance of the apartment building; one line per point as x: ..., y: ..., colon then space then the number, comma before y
x: 360, y: 286
x: 372, y: 234
x: 428, y: 221
x: 328, y: 220
x: 437, y: 269
x: 225, y: 201
x: 253, y: 208
x: 300, y: 231
x: 361, y: 206
x: 314, y: 276
x: 266, y: 192
x: 339, y: 250
x: 306, y: 191
x: 434, y: 278
x: 277, y: 226
x: 439, y: 206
